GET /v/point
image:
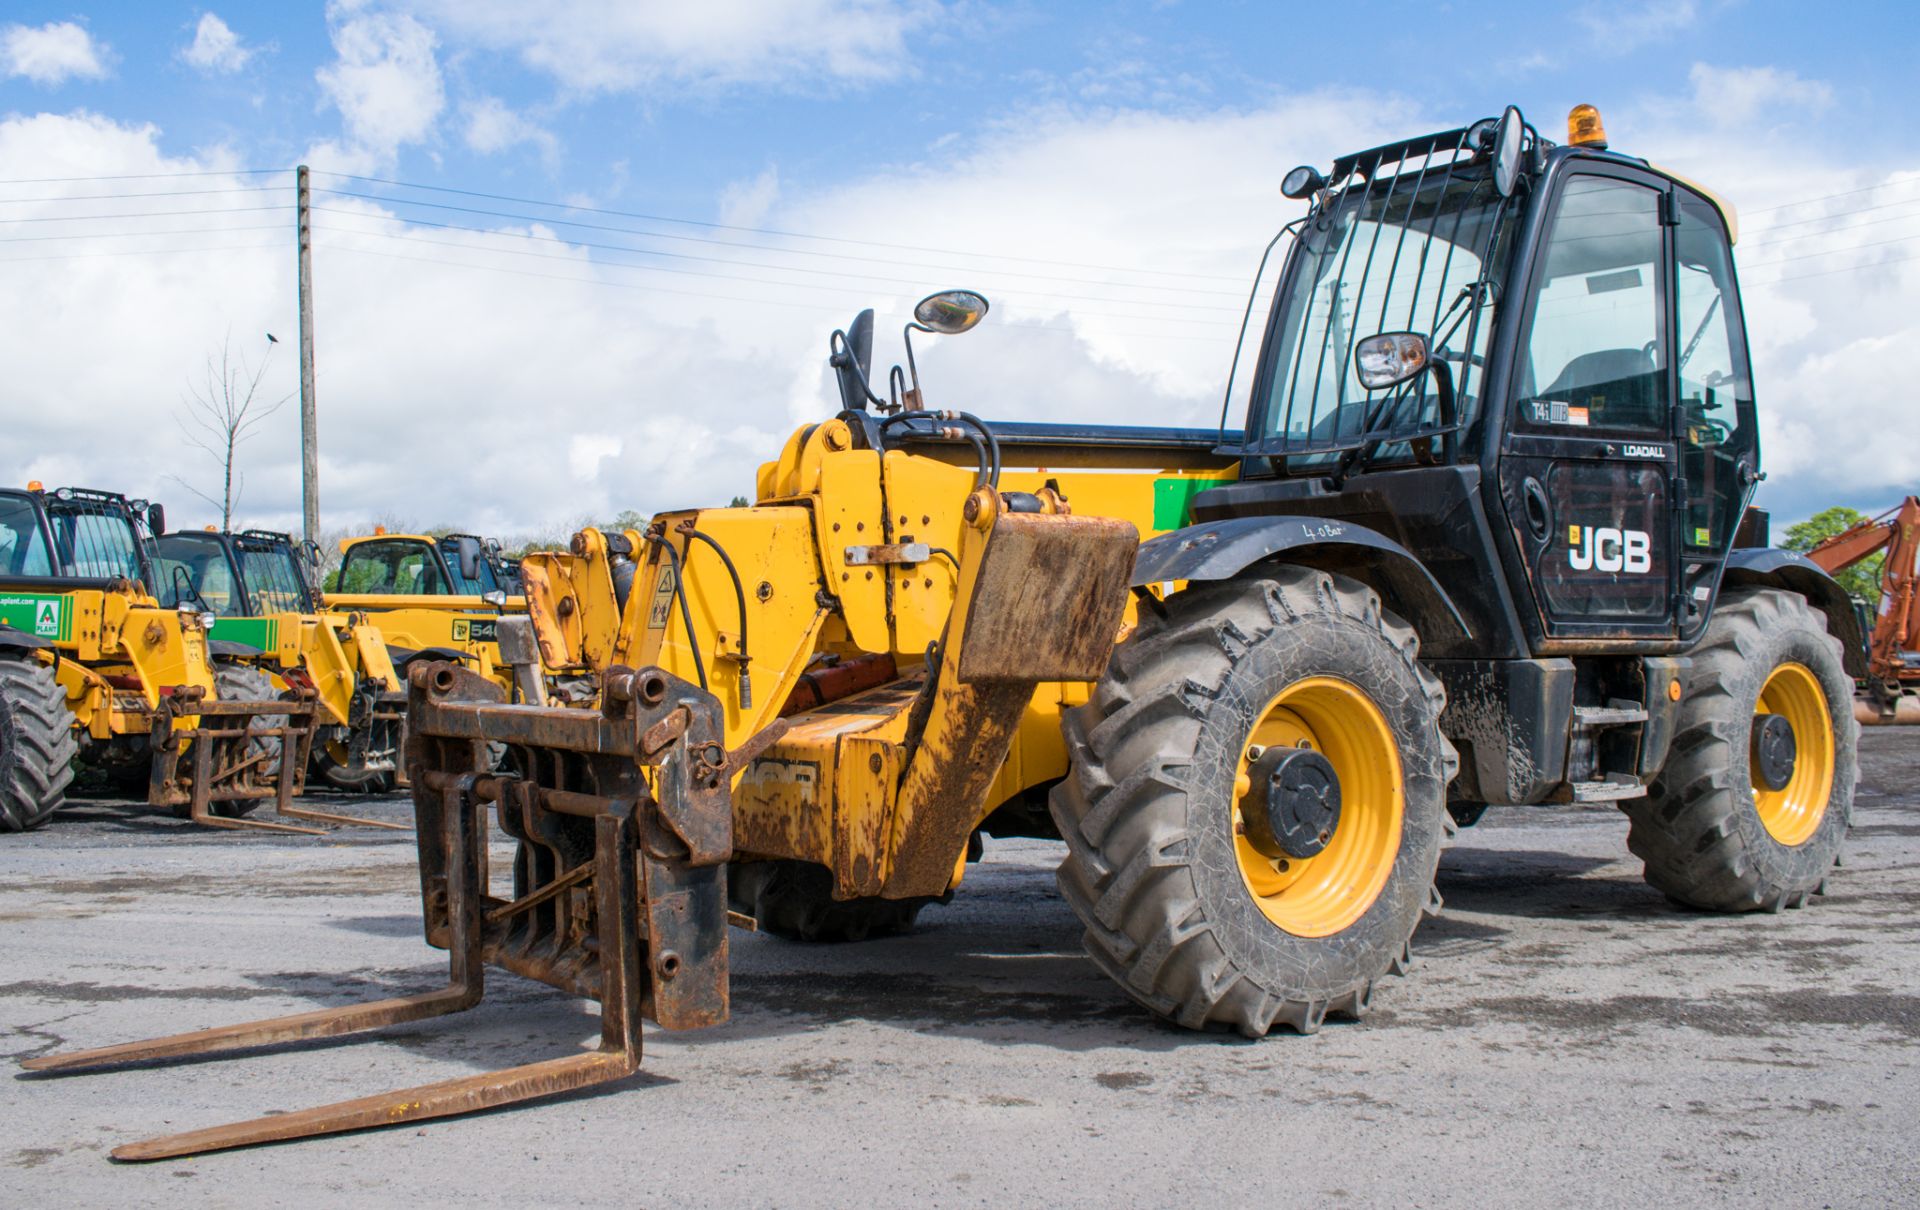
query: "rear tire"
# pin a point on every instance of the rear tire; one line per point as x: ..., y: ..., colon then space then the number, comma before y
x: 1701, y: 829
x: 1157, y: 868
x: 37, y: 745
x: 794, y: 900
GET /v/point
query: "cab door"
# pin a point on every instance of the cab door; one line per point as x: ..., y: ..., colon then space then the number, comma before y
x: 1588, y: 463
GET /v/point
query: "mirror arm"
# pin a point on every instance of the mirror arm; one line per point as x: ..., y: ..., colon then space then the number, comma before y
x: 912, y: 398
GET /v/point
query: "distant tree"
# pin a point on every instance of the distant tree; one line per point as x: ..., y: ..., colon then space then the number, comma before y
x: 1863, y: 578
x: 219, y: 415
x: 740, y: 502
x: 628, y: 519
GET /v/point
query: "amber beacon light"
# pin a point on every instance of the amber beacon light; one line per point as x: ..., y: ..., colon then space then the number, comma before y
x: 1584, y: 128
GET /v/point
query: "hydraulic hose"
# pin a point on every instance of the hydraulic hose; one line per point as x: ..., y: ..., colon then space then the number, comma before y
x: 686, y: 613
x: 740, y: 605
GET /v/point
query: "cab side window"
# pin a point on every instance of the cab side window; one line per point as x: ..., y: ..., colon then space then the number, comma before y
x: 1595, y: 355
x: 1716, y: 390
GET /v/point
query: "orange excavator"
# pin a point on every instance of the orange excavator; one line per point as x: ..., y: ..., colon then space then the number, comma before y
x: 1893, y: 647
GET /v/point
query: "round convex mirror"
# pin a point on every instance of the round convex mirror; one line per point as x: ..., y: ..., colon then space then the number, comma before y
x: 951, y: 311
x: 1506, y: 151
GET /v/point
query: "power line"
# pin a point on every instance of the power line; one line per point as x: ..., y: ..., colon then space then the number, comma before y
x: 756, y: 302
x: 141, y: 176
x: 834, y: 239
x: 840, y: 256
x: 81, y: 218
x: 102, y: 197
x: 15, y: 260
x: 25, y: 239
x: 838, y: 275
x: 1827, y: 197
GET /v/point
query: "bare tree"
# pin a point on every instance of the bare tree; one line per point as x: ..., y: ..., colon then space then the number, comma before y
x: 221, y: 413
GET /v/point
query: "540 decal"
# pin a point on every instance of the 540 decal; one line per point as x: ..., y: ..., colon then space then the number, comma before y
x: 476, y: 630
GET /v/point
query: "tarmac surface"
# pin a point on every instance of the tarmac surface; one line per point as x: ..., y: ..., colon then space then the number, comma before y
x: 1566, y: 1037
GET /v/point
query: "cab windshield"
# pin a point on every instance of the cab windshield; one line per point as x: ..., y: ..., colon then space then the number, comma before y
x: 193, y: 569
x: 1406, y: 252
x: 97, y: 541
x: 273, y: 579
x: 23, y: 547
x: 397, y: 566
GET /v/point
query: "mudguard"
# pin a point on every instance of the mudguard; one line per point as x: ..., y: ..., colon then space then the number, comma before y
x: 400, y: 656
x: 1223, y: 549
x: 1771, y: 567
x: 233, y: 650
x: 20, y: 640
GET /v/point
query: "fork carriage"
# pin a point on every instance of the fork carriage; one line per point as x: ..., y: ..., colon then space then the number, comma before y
x: 619, y: 891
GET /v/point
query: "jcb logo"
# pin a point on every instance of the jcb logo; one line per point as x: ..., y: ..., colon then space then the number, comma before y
x: 1605, y: 549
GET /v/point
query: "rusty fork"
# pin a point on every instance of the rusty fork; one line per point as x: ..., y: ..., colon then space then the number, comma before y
x: 464, y: 818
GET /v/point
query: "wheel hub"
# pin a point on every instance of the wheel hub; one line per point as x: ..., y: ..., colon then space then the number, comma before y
x: 1294, y: 807
x: 1774, y: 750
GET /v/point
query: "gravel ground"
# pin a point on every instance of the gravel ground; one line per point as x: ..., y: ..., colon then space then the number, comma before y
x: 1565, y: 1037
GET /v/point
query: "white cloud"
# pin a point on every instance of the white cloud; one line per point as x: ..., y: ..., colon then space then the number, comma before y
x: 216, y: 49
x: 1735, y: 96
x: 746, y: 203
x: 385, y: 79
x: 619, y: 387
x: 492, y: 127
x: 52, y: 53
x: 617, y: 45
x: 1623, y: 27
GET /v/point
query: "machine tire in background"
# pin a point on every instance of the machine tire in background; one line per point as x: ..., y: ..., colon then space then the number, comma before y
x: 794, y: 900
x: 1159, y: 866
x: 1712, y: 832
x: 242, y: 683
x: 37, y: 744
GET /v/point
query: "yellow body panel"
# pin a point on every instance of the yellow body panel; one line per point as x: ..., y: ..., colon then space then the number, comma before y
x: 837, y: 789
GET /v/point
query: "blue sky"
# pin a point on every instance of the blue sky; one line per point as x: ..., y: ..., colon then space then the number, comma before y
x: 1107, y: 172
x: 675, y: 141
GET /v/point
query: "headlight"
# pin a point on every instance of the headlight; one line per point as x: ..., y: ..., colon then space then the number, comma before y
x: 207, y: 620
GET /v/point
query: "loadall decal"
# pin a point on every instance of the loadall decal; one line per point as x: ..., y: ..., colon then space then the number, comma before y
x: 42, y: 616
x: 1603, y: 548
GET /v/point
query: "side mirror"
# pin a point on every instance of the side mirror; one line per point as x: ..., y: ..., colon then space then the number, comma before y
x: 469, y: 549
x: 950, y: 312
x: 1391, y: 358
x: 1507, y: 139
x: 156, y: 519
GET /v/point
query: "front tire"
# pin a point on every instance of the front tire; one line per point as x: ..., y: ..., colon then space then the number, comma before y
x: 1712, y: 830
x: 1180, y: 909
x: 37, y: 745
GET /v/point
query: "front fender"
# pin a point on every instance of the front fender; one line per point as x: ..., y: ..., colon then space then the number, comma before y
x: 1771, y: 567
x: 1223, y: 549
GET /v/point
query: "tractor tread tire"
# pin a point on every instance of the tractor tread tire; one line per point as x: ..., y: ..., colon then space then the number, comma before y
x: 1697, y: 830
x: 37, y: 745
x: 1178, y: 933
x: 794, y: 900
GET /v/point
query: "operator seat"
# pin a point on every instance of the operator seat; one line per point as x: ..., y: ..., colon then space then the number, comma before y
x: 1620, y: 387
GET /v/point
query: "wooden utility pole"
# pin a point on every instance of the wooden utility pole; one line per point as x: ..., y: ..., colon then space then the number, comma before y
x: 309, y: 418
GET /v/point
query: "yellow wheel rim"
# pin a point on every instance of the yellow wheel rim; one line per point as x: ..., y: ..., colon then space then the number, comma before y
x: 1793, y: 812
x: 1319, y: 896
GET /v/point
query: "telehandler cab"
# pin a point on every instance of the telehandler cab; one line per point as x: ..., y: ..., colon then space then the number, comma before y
x: 255, y: 585
x: 93, y: 666
x: 434, y: 597
x: 1484, y: 538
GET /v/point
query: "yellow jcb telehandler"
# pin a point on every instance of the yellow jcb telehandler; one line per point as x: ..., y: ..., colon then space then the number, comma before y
x: 1483, y: 538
